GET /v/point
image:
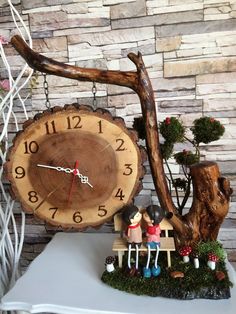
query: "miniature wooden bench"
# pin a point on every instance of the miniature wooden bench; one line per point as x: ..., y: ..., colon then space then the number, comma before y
x: 120, y: 243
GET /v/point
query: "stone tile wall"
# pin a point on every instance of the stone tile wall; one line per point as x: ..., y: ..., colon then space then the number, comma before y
x: 189, y: 48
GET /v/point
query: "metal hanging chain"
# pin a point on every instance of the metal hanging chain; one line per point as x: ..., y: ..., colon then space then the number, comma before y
x: 94, y: 91
x: 46, y: 91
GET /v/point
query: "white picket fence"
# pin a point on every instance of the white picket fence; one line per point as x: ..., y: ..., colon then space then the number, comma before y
x: 11, y: 233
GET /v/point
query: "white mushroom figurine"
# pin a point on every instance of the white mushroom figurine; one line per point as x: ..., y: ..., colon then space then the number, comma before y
x: 109, y: 263
x: 195, y: 259
x: 212, y: 260
x: 185, y: 251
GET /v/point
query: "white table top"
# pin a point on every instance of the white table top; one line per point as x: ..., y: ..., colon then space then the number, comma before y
x: 65, y: 278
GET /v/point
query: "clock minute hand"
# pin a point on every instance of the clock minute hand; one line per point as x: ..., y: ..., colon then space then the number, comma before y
x: 83, y: 179
x: 67, y: 170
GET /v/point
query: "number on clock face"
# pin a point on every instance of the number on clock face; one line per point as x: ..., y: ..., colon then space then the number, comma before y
x: 50, y: 127
x: 74, y: 122
x: 31, y: 147
x: 128, y: 170
x: 33, y: 197
x: 103, y: 182
x: 20, y: 172
x: 120, y: 146
x: 54, y: 211
x: 102, y: 211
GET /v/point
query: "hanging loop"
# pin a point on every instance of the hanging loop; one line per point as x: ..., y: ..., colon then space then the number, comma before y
x: 46, y: 91
x: 94, y: 91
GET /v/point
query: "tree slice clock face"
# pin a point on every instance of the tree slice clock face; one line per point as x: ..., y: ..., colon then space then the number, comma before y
x: 74, y: 167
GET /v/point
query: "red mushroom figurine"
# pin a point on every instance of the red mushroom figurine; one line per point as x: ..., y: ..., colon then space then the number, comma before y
x: 185, y: 251
x: 212, y: 260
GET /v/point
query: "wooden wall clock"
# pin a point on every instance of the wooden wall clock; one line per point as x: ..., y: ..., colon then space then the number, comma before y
x: 74, y: 167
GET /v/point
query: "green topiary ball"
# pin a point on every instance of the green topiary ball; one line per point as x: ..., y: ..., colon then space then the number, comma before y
x: 207, y: 129
x: 166, y: 150
x: 172, y: 130
x: 186, y: 158
x: 180, y: 183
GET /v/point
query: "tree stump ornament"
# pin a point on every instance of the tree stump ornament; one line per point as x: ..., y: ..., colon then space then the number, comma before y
x: 211, y: 192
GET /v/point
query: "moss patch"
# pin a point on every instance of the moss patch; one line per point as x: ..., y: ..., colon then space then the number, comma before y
x: 197, y: 283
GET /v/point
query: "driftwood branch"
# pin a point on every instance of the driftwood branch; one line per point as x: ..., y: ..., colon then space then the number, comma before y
x: 47, y: 65
x: 211, y: 192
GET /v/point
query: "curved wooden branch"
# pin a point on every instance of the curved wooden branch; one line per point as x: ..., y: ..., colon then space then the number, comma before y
x: 138, y: 81
x: 47, y: 65
x: 147, y: 100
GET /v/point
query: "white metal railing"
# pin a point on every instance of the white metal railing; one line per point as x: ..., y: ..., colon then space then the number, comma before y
x: 11, y: 232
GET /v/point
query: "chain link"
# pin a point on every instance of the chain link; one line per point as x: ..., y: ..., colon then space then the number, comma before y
x: 46, y: 91
x: 94, y: 91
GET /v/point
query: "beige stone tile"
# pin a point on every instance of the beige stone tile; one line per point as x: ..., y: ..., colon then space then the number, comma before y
x: 50, y: 44
x: 219, y: 104
x: 111, y: 2
x: 206, y: 89
x: 75, y: 8
x: 80, y: 30
x: 175, y: 8
x: 129, y: 9
x: 199, y: 66
x: 168, y: 43
x: 114, y: 36
x: 227, y: 77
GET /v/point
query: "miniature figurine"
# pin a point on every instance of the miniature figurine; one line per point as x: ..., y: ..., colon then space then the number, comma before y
x: 185, y: 251
x: 153, y: 216
x: 195, y: 256
x: 109, y: 263
x: 132, y: 217
x: 212, y: 260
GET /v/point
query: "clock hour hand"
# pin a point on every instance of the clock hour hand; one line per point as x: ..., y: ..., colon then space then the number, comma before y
x: 83, y: 179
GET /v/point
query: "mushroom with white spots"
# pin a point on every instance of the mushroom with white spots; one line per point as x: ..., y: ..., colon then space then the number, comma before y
x: 185, y: 251
x: 212, y: 260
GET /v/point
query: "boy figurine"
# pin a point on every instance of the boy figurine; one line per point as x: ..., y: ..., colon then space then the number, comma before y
x: 153, y: 216
x: 132, y: 217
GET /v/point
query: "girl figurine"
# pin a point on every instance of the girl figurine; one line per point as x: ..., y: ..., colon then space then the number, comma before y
x: 132, y: 217
x: 153, y: 216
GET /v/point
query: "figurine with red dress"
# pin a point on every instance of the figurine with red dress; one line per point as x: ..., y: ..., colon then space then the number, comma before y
x: 132, y: 217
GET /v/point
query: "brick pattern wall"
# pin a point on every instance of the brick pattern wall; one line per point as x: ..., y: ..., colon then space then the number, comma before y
x: 190, y: 53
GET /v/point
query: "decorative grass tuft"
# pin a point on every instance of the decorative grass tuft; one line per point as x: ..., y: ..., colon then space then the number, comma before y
x: 197, y: 283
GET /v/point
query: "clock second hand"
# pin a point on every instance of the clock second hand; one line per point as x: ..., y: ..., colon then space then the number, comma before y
x: 73, y: 181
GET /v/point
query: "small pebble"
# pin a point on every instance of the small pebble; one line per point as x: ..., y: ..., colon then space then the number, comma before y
x: 177, y: 274
x: 220, y: 275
